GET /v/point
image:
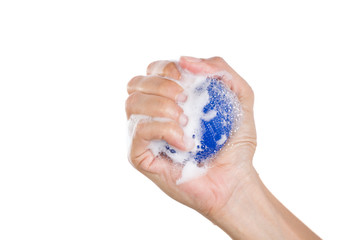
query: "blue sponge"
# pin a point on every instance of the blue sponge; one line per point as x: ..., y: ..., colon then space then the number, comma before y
x: 218, y: 127
x: 216, y: 131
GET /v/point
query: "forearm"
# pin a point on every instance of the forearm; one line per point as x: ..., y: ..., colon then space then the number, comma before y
x: 253, y: 212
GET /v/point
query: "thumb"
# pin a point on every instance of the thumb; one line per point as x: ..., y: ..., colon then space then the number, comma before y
x: 217, y: 65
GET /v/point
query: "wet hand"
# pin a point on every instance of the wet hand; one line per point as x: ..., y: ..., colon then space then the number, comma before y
x: 156, y: 96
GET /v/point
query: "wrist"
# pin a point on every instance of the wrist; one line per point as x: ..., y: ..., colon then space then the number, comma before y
x: 232, y: 217
x: 251, y: 212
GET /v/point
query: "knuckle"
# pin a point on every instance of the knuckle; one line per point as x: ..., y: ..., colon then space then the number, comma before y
x: 218, y: 59
x: 127, y: 105
x: 169, y: 66
x: 171, y: 70
x: 150, y: 68
x: 132, y: 83
x: 130, y: 102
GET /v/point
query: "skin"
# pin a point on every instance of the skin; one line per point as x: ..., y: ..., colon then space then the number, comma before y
x: 231, y: 194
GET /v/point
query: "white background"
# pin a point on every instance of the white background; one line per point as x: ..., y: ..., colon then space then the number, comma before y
x: 64, y: 66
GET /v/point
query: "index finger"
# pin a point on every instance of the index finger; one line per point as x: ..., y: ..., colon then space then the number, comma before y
x: 164, y: 68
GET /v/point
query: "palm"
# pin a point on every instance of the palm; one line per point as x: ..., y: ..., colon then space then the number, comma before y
x: 212, y: 190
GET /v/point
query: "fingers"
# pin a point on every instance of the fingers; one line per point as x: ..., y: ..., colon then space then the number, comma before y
x: 146, y: 131
x: 216, y: 64
x: 157, y: 86
x: 154, y: 106
x: 156, y: 95
x: 164, y: 68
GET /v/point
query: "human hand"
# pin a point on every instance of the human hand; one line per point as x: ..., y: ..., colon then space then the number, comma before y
x: 230, y: 194
x: 155, y: 95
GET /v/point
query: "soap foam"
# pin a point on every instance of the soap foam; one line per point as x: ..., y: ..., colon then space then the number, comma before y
x: 222, y: 140
x: 204, y: 122
x: 190, y: 171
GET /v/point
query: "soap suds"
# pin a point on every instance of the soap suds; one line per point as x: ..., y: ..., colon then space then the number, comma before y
x: 208, y: 116
x: 222, y: 140
x: 191, y: 171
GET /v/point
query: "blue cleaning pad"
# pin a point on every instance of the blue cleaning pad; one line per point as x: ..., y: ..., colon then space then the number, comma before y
x: 216, y: 129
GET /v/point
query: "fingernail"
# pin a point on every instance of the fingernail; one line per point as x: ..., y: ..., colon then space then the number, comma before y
x: 189, y: 143
x: 191, y: 59
x: 181, y: 97
x: 183, y: 120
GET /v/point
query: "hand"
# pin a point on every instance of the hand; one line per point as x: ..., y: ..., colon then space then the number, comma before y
x: 154, y: 95
x: 231, y: 194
